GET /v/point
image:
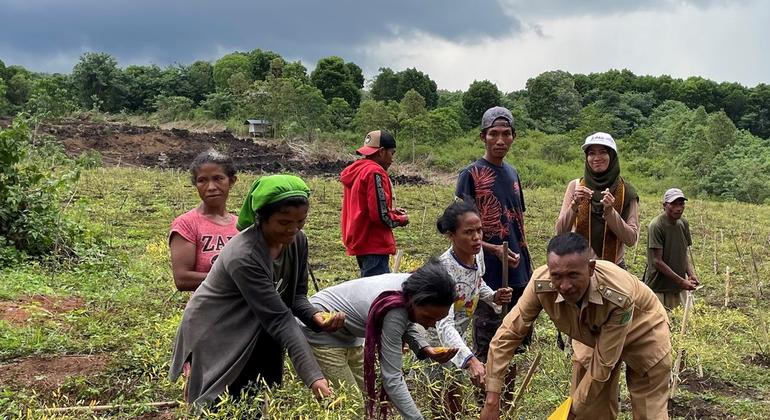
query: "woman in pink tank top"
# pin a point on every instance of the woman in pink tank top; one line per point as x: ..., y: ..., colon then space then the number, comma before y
x: 198, y: 236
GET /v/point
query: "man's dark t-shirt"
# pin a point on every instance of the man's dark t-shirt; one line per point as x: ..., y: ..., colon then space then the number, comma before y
x: 496, y: 191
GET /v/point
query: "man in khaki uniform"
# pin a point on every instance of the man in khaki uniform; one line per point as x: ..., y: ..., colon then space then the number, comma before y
x: 607, y: 309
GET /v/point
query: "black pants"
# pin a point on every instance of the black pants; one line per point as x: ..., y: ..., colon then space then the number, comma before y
x: 485, y: 325
x: 265, y: 363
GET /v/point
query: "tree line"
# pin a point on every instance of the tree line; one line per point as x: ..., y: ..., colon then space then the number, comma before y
x: 697, y: 132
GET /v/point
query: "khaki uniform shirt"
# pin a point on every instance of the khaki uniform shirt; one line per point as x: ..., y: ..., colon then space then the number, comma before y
x: 619, y: 317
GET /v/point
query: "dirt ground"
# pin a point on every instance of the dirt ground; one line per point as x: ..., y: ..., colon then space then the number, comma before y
x: 129, y: 145
x: 47, y: 374
x: 18, y: 312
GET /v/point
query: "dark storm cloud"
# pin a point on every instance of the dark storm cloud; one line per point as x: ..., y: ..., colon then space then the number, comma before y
x: 49, y: 35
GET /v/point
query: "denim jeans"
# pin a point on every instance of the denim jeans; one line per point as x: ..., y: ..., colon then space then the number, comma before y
x: 372, y: 265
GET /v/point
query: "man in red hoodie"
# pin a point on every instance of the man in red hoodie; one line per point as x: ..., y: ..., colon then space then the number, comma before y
x: 368, y: 218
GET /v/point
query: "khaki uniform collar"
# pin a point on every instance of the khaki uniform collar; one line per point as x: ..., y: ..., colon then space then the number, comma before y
x: 594, y: 295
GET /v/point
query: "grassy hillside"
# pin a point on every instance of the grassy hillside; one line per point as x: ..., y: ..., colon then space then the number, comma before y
x: 119, y: 304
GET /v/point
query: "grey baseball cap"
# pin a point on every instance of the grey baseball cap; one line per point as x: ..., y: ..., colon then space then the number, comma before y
x: 672, y: 194
x: 495, y: 113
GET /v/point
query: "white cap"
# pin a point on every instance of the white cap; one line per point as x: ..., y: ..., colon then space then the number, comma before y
x: 602, y: 139
x: 672, y: 194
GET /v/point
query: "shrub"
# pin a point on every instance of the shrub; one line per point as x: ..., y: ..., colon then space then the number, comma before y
x: 31, y: 184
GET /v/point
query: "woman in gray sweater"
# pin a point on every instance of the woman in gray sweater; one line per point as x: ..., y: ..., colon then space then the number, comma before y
x: 382, y: 309
x: 240, y: 320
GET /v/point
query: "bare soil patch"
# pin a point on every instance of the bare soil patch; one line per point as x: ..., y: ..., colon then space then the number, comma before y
x: 695, y: 409
x: 759, y: 359
x: 47, y: 374
x: 129, y: 145
x: 18, y: 312
x: 691, y: 382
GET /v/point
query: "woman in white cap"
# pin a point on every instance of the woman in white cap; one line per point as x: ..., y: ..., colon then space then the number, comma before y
x: 601, y: 206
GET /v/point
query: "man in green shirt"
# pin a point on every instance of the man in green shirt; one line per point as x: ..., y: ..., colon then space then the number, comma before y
x: 669, y: 271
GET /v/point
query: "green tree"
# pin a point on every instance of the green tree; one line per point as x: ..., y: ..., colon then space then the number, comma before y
x: 200, y: 76
x: 295, y: 70
x: 97, y: 80
x: 259, y: 63
x: 697, y: 91
x: 412, y: 78
x: 355, y: 73
x: 309, y: 114
x: 376, y: 115
x: 757, y: 116
x: 221, y: 105
x: 238, y: 83
x: 5, y: 106
x: 412, y: 105
x: 480, y: 96
x: 332, y: 76
x: 616, y: 80
x: 141, y: 84
x: 171, y: 108
x: 19, y: 87
x: 340, y: 114
x: 30, y: 192
x: 228, y: 65
x: 554, y: 103
x: 51, y: 97
x: 385, y: 86
x: 435, y: 127
x: 736, y: 100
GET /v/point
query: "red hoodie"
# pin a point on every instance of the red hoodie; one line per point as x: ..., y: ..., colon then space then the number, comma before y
x: 367, y: 216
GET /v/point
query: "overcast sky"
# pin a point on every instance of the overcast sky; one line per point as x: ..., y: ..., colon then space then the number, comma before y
x: 455, y: 42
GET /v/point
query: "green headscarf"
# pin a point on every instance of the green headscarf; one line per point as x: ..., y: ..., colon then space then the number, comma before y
x: 268, y: 190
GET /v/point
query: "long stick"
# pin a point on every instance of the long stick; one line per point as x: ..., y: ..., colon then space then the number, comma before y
x: 727, y: 286
x: 680, y: 354
x: 397, y: 260
x: 160, y: 404
x: 505, y: 272
x: 312, y: 277
x: 527, y: 378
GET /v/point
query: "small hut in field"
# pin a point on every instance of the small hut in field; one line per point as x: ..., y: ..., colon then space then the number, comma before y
x: 259, y: 128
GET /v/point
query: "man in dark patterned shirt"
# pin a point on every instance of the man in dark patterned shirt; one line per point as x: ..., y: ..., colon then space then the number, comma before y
x: 495, y: 187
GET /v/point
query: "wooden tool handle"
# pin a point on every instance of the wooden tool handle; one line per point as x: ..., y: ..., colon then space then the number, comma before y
x: 505, y: 272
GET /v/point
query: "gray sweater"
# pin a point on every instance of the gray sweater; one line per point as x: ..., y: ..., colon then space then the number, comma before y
x: 236, y: 302
x: 354, y: 298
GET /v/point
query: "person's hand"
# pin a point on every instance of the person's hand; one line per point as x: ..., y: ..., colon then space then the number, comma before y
x: 330, y: 324
x: 694, y: 279
x: 608, y: 200
x: 440, y: 354
x: 687, y: 284
x: 503, y: 295
x: 513, y: 258
x: 476, y: 371
x: 320, y: 389
x: 491, y: 410
x: 581, y: 194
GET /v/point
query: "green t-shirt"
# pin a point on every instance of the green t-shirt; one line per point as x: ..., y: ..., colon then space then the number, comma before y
x: 673, y: 239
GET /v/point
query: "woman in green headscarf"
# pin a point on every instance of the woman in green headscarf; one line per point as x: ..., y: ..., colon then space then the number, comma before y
x: 240, y: 320
x: 601, y: 206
